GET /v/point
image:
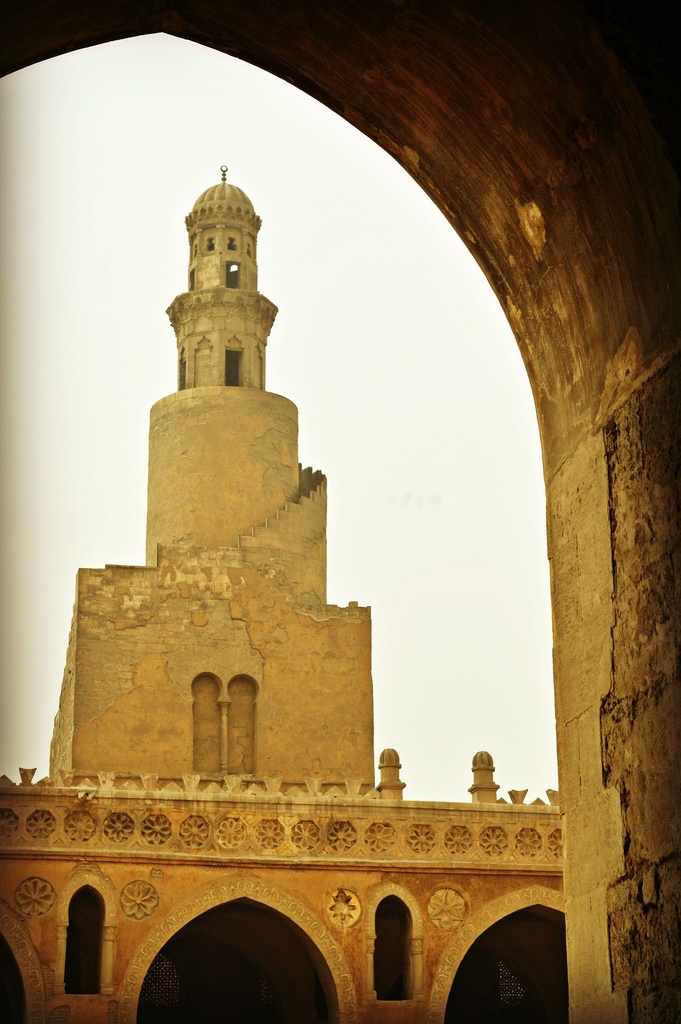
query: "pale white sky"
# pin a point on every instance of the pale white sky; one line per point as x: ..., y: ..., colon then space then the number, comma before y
x: 411, y: 391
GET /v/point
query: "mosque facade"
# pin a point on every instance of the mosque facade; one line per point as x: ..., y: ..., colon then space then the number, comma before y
x: 212, y: 843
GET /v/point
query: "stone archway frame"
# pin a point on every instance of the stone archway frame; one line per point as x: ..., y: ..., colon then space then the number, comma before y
x: 18, y: 939
x: 226, y: 891
x: 473, y: 929
x: 373, y: 898
x: 90, y: 875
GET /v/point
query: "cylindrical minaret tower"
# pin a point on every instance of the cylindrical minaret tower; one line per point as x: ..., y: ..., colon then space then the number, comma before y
x: 223, y: 452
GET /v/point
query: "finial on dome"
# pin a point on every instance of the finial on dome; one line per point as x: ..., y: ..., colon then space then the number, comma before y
x: 224, y: 172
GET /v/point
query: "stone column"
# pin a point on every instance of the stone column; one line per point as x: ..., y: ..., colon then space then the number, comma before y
x: 370, y: 986
x: 106, y: 973
x: 60, y: 960
x: 416, y: 968
x: 224, y: 725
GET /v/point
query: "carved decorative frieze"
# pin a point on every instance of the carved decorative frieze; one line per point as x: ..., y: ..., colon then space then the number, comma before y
x: 380, y: 836
x: 139, y: 900
x: 156, y: 829
x: 493, y: 841
x: 270, y: 833
x: 343, y: 908
x: 34, y: 897
x: 41, y: 824
x: 342, y: 836
x: 79, y: 826
x: 305, y: 835
x: 9, y: 822
x: 534, y: 840
x: 555, y: 843
x: 118, y: 827
x: 194, y: 831
x: 447, y: 909
x: 458, y: 840
x: 231, y: 833
x: 421, y: 838
x: 528, y: 842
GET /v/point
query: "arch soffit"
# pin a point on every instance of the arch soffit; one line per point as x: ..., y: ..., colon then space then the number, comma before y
x: 225, y: 891
x: 473, y: 929
x: 223, y: 686
x: 19, y: 941
x: 379, y: 893
x: 82, y: 875
x: 238, y: 677
x: 548, y: 290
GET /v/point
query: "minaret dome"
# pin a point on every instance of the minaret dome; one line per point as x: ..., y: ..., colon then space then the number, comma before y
x: 221, y: 322
x: 223, y: 229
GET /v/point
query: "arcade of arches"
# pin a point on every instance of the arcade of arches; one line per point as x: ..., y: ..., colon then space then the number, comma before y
x: 549, y: 137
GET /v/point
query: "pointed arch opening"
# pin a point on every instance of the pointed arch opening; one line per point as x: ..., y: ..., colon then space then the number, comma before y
x: 84, y: 934
x: 392, y: 952
x: 244, y: 954
x: 516, y: 970
x: 11, y: 987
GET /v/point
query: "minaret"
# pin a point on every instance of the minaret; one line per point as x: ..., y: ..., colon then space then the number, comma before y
x: 223, y: 454
x: 222, y: 322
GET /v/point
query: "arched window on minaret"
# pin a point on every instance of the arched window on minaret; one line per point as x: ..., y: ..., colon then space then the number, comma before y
x: 231, y: 274
x: 241, y: 731
x: 392, y: 953
x: 232, y: 368
x: 84, y: 942
x: 206, y: 721
x: 182, y: 372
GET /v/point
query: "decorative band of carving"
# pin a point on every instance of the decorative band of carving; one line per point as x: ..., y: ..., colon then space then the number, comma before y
x: 26, y: 957
x: 528, y: 843
x: 225, y: 892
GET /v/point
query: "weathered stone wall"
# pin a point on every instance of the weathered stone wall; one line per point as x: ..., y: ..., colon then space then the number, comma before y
x: 62, y: 733
x: 641, y: 712
x: 142, y: 636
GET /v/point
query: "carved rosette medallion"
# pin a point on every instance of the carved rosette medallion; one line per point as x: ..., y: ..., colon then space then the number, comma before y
x: 342, y: 836
x: 194, y: 831
x: 458, y: 840
x: 528, y: 842
x: 118, y: 827
x: 421, y: 838
x: 9, y: 822
x: 156, y: 829
x: 270, y: 833
x: 555, y: 843
x: 343, y: 908
x: 34, y: 897
x: 231, y: 833
x: 305, y: 835
x: 139, y: 899
x: 447, y: 909
x: 380, y: 836
x: 40, y: 824
x: 493, y: 841
x: 79, y: 826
